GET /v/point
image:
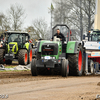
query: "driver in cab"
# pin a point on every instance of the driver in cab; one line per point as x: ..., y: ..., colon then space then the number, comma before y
x: 59, y: 35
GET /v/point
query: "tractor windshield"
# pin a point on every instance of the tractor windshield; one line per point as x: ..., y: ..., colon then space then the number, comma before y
x: 63, y: 29
x: 95, y: 37
x: 16, y: 38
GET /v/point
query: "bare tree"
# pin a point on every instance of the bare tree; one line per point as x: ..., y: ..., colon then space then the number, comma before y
x: 1, y: 21
x: 17, y: 16
x: 77, y: 14
x: 40, y: 29
x: 4, y: 23
x: 30, y: 28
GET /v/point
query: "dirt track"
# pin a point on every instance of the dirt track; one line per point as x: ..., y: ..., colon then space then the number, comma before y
x: 23, y: 76
x: 22, y: 86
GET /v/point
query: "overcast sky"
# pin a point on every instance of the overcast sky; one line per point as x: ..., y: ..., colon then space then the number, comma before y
x: 33, y: 9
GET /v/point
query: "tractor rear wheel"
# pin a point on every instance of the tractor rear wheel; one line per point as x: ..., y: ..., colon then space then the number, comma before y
x: 65, y: 68
x: 76, y: 62
x: 2, y: 53
x: 23, y: 57
x: 30, y: 56
x: 34, y: 70
x: 9, y: 62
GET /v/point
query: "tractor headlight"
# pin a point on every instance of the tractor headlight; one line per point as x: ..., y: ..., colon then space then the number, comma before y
x: 42, y: 57
x: 53, y: 57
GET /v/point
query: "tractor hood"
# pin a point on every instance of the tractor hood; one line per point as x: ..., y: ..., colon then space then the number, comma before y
x: 92, y: 45
x: 13, y: 47
x: 47, y: 42
x: 50, y: 48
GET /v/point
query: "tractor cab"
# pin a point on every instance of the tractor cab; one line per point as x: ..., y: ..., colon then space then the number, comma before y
x: 92, y: 40
x: 16, y: 46
x: 19, y: 38
x: 93, y: 35
x: 64, y: 29
x: 16, y: 41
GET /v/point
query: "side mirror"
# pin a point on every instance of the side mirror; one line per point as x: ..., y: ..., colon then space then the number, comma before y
x: 27, y: 39
x: 34, y: 46
x: 83, y: 37
x: 1, y: 42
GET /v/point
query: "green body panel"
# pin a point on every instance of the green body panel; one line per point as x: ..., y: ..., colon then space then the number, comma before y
x: 15, y: 45
x: 26, y: 46
x: 70, y: 47
x: 59, y: 48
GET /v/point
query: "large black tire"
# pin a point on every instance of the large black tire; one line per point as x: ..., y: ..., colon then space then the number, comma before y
x: 91, y: 66
x: 33, y: 53
x: 23, y: 57
x: 65, y: 68
x: 76, y: 62
x: 2, y: 53
x: 9, y: 62
x: 34, y: 70
x: 30, y: 56
x: 38, y: 55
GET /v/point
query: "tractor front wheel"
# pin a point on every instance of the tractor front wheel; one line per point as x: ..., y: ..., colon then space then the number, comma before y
x: 23, y: 57
x: 34, y: 70
x: 38, y: 55
x: 65, y: 68
x: 33, y: 53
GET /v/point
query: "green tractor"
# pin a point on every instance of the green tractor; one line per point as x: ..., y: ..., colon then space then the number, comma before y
x: 16, y: 46
x: 65, y: 57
